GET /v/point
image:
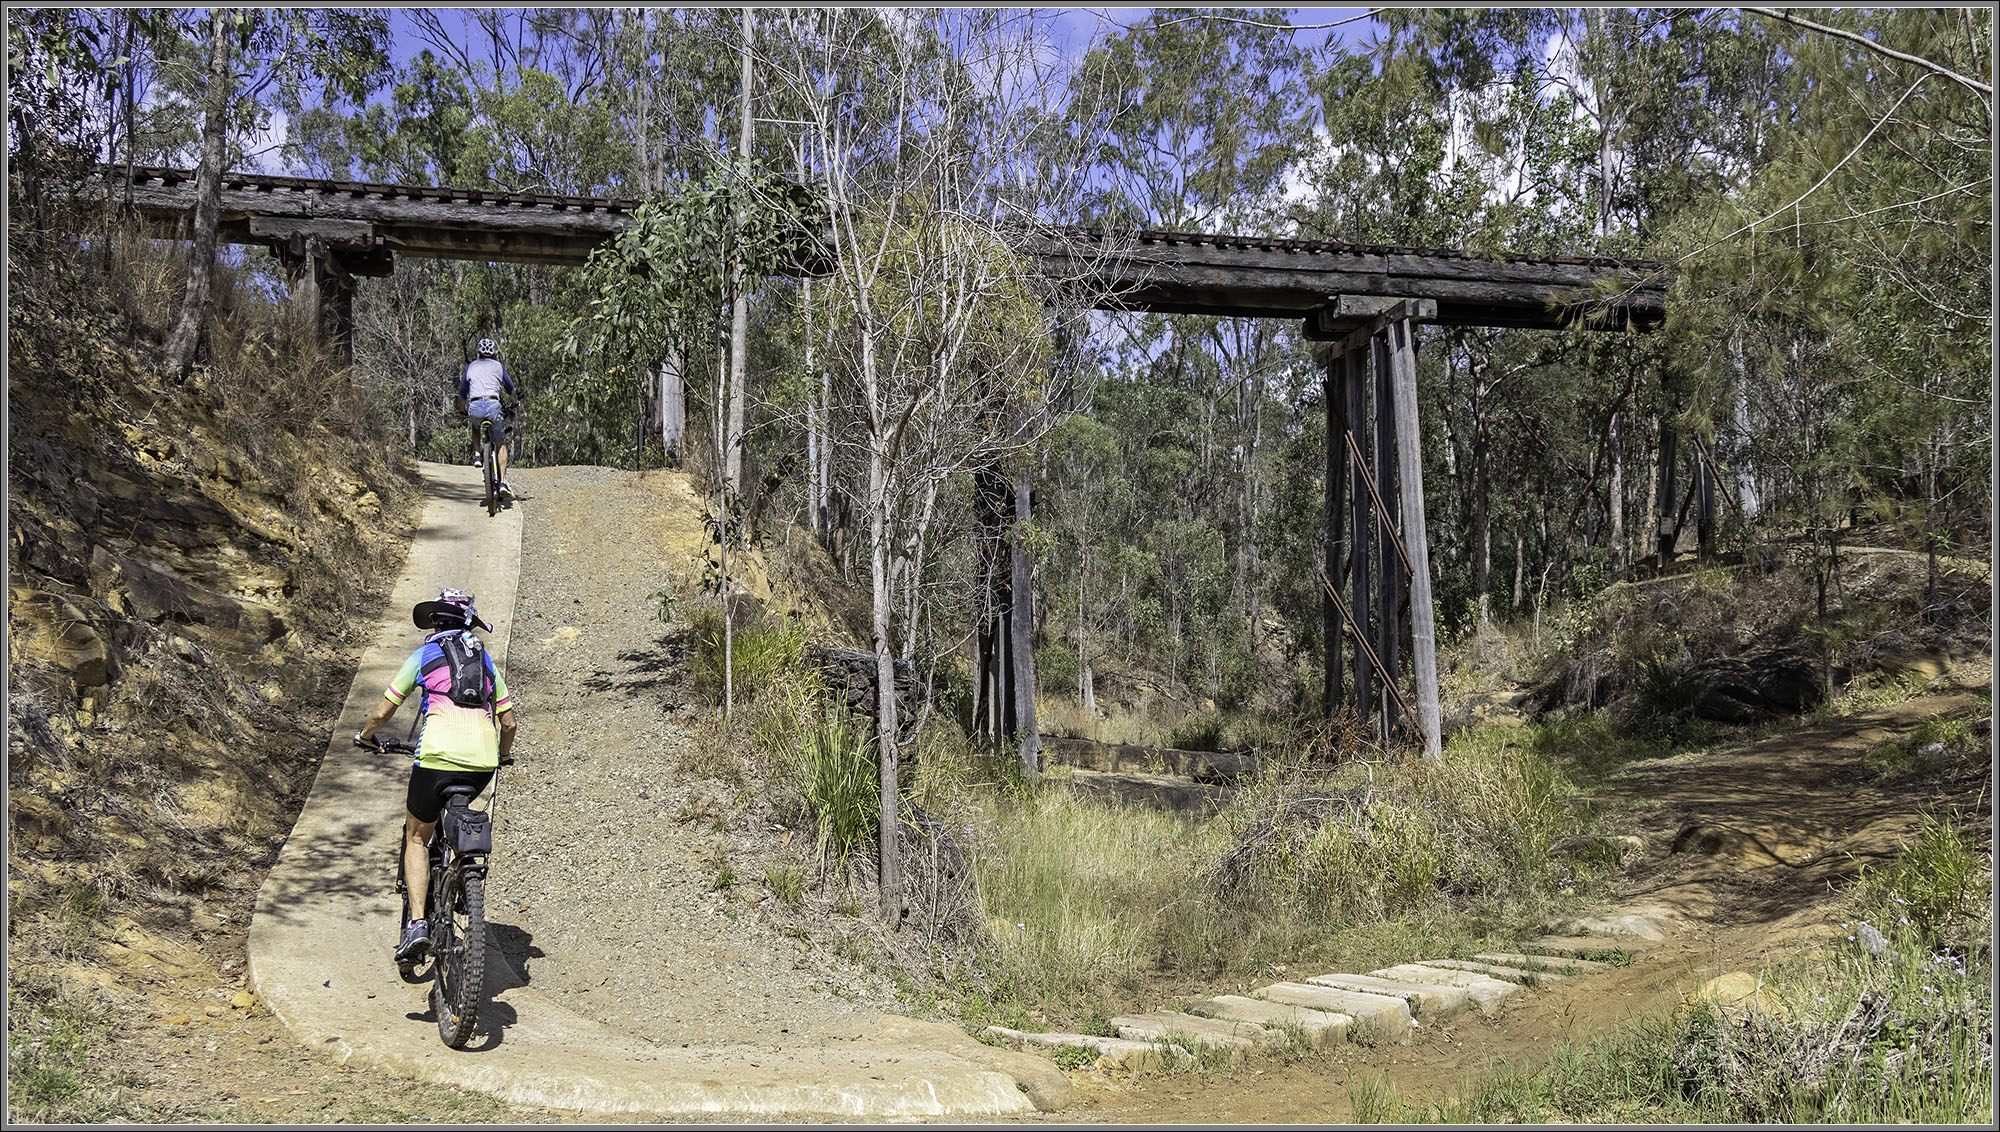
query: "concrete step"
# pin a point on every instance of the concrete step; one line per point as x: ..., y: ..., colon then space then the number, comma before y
x: 1484, y: 989
x: 1191, y: 1030
x: 1320, y: 1027
x: 1117, y: 1053
x: 1562, y: 965
x: 1501, y: 971
x: 1386, y: 1017
x: 1428, y: 1001
x: 1578, y: 945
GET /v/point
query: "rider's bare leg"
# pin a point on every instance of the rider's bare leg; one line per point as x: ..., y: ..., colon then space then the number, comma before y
x: 476, y: 424
x: 503, y: 463
x: 417, y: 861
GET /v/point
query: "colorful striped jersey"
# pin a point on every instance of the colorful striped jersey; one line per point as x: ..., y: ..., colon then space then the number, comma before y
x: 454, y: 737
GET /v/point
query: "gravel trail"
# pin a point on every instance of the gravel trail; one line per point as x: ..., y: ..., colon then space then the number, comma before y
x: 616, y: 824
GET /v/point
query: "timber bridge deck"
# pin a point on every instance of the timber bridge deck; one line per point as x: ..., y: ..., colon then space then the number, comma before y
x: 357, y: 228
x: 1363, y: 301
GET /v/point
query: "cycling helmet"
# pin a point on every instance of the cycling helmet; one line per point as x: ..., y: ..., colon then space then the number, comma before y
x: 488, y: 348
x: 453, y: 609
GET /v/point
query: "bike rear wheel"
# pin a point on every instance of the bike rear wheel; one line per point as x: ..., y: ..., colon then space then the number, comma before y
x: 458, y: 945
x: 490, y: 460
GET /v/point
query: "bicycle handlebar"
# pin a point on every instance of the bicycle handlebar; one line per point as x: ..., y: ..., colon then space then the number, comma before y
x: 388, y: 746
x: 395, y: 747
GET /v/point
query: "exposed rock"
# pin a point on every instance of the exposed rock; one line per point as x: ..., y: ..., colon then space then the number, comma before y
x: 1737, y: 995
x: 156, y: 595
x: 53, y: 630
x: 851, y: 678
x: 1756, y: 686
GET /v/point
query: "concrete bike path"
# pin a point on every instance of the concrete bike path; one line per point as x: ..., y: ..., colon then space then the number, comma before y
x: 325, y: 921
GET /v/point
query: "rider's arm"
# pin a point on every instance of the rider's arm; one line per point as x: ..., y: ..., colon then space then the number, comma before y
x: 465, y: 388
x: 380, y: 716
x: 507, y: 385
x: 399, y: 689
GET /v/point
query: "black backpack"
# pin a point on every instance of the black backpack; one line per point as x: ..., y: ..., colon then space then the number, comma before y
x: 466, y: 656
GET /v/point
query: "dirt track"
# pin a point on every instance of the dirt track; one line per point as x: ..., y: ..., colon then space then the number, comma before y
x: 1785, y: 814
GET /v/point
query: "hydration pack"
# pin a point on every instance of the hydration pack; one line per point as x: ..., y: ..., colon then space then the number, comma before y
x: 465, y: 655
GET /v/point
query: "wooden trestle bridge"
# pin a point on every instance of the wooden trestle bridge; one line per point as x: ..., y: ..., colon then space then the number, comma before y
x: 1363, y: 301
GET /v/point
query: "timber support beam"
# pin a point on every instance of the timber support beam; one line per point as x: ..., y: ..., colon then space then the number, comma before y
x: 1384, y: 550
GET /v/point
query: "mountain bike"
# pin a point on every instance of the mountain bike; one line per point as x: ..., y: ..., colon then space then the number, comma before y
x: 489, y: 461
x: 455, y: 907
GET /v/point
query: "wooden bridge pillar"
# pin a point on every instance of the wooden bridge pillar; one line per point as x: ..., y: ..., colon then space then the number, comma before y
x: 323, y: 259
x: 1384, y: 540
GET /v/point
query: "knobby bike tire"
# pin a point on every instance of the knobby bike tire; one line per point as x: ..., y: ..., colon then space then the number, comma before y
x: 460, y: 955
x: 492, y: 480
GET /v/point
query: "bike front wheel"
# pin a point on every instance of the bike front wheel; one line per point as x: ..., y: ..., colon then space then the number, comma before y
x: 458, y: 944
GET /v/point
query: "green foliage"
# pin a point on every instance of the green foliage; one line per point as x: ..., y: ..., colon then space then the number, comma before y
x: 787, y: 883
x: 1931, y: 888
x: 1075, y: 1057
x: 761, y: 653
x: 1196, y: 733
x: 50, y: 1078
x: 832, y: 766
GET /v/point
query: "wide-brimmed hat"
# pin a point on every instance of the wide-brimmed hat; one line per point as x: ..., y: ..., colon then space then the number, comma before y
x: 455, y: 604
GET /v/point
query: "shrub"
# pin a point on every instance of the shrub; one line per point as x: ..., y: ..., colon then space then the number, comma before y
x: 1196, y: 733
x: 761, y: 651
x: 833, y: 767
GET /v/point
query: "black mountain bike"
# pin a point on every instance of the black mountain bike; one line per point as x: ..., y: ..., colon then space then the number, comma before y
x: 489, y: 462
x: 455, y: 907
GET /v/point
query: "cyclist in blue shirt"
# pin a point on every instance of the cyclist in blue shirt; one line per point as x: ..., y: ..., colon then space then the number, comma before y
x: 482, y: 389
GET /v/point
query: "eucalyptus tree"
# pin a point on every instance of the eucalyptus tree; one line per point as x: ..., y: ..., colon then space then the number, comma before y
x: 922, y: 131
x: 249, y: 51
x: 1202, y: 114
x: 1849, y: 280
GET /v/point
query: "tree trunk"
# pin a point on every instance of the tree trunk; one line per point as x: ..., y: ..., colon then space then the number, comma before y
x: 1669, y: 530
x: 739, y: 311
x: 207, y: 198
x: 673, y: 405
x: 890, y: 869
x: 1022, y: 632
x: 1616, y: 500
x: 1520, y: 575
x: 815, y: 426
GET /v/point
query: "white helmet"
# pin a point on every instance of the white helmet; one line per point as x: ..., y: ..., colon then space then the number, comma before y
x: 488, y: 348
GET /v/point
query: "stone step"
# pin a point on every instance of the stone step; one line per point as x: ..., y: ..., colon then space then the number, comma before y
x: 1578, y: 945
x: 1525, y: 976
x: 1190, y: 1031
x: 1118, y: 1053
x: 1320, y: 1027
x: 1386, y: 1017
x: 1427, y: 1001
x: 1562, y: 965
x: 1484, y: 989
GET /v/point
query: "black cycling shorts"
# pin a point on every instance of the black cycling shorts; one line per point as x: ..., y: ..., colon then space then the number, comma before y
x: 426, y: 799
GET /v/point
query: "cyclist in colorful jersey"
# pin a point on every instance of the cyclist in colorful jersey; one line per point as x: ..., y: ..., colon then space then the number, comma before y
x: 483, y: 388
x: 460, y: 742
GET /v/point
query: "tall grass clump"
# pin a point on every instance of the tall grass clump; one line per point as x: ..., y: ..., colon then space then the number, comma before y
x: 1891, y: 1022
x: 1469, y: 833
x: 1079, y: 894
x: 824, y: 755
x: 762, y: 652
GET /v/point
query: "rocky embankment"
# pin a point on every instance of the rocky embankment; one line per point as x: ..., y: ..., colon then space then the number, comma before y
x: 183, y: 560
